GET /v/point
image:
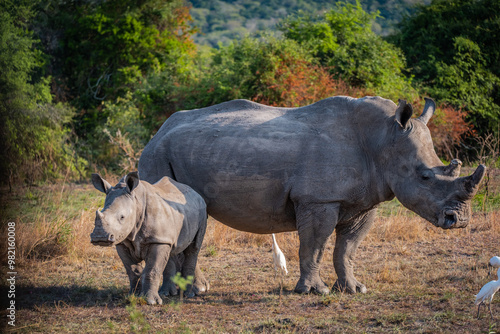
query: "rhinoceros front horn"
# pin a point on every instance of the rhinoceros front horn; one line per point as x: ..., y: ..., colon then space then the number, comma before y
x: 99, y: 216
x: 471, y: 183
x: 429, y: 109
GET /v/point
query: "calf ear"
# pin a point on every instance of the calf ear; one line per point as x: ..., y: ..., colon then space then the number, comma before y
x: 100, y: 184
x: 132, y: 180
x: 403, y: 113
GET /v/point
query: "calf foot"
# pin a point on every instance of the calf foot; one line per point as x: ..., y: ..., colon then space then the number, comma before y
x: 200, y: 285
x: 168, y: 289
x: 152, y: 298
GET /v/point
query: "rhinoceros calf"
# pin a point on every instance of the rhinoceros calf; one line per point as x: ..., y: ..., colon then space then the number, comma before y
x: 313, y: 169
x: 150, y: 222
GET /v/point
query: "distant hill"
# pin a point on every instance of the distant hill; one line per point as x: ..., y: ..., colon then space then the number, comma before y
x: 220, y: 21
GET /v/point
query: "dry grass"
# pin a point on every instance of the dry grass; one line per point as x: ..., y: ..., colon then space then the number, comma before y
x: 420, y: 278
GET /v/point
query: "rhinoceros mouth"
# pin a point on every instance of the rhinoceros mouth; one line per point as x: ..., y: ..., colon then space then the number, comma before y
x: 103, y: 241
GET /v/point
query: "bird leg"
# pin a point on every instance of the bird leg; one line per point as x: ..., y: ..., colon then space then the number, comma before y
x: 281, y: 286
x: 478, y: 307
x: 491, y: 314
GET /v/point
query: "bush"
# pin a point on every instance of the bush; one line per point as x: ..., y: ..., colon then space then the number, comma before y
x: 343, y: 41
x: 34, y: 130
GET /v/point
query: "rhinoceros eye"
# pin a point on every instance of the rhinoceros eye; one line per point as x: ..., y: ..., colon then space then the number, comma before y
x: 427, y: 175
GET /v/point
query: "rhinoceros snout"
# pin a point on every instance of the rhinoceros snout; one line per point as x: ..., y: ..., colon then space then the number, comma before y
x: 102, y: 240
x: 452, y: 219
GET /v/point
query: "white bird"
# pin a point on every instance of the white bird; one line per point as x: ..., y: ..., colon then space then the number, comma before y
x: 494, y: 263
x: 279, y: 262
x: 486, y: 294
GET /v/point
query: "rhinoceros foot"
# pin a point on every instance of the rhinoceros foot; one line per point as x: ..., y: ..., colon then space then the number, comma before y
x: 200, y: 284
x: 152, y: 297
x: 351, y: 286
x: 168, y: 289
x: 317, y: 286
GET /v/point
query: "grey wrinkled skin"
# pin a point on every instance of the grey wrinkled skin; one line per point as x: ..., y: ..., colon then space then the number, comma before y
x: 313, y: 169
x: 151, y: 222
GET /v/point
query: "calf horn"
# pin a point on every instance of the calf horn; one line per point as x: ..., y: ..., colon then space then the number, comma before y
x: 471, y: 183
x: 429, y: 109
x: 99, y: 216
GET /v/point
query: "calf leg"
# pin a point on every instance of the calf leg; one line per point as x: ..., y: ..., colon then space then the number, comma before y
x: 349, y: 236
x: 190, y: 262
x: 156, y: 260
x: 133, y: 267
x: 315, y: 224
x: 168, y: 287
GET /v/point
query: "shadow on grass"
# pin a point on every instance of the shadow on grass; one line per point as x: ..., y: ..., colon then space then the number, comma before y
x: 30, y: 297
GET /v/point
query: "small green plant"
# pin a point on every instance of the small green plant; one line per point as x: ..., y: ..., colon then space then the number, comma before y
x: 138, y: 322
x: 211, y: 251
x: 182, y: 283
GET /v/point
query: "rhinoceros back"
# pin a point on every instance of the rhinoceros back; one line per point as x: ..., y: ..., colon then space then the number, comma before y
x: 252, y: 162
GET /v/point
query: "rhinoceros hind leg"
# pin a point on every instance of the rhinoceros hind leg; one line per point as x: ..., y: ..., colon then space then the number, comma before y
x: 190, y: 266
x: 315, y: 223
x: 349, y: 236
x: 200, y: 283
x: 168, y: 287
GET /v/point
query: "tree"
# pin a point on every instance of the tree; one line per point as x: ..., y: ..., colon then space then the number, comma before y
x: 343, y: 41
x: 273, y: 71
x: 452, y: 52
x: 33, y: 132
x: 101, y: 50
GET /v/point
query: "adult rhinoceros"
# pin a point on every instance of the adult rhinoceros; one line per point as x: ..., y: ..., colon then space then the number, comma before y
x: 311, y: 169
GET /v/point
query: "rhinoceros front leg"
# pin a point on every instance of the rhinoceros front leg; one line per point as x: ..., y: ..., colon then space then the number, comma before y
x: 133, y: 267
x: 315, y: 224
x: 349, y: 236
x: 156, y: 260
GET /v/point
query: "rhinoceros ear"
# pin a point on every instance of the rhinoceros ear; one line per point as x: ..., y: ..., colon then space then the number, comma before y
x: 100, y: 184
x: 403, y: 113
x: 132, y: 180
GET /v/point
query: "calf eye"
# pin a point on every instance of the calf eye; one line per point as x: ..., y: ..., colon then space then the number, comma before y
x: 122, y: 217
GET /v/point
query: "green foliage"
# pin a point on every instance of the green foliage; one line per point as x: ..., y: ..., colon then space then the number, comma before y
x: 452, y: 50
x: 467, y: 81
x: 182, y: 283
x: 343, y: 41
x: 101, y: 50
x: 138, y: 322
x: 274, y: 71
x: 34, y: 134
x: 123, y: 136
x: 223, y: 21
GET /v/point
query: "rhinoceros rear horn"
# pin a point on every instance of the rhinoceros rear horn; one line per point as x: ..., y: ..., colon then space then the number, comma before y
x: 471, y: 183
x: 428, y: 111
